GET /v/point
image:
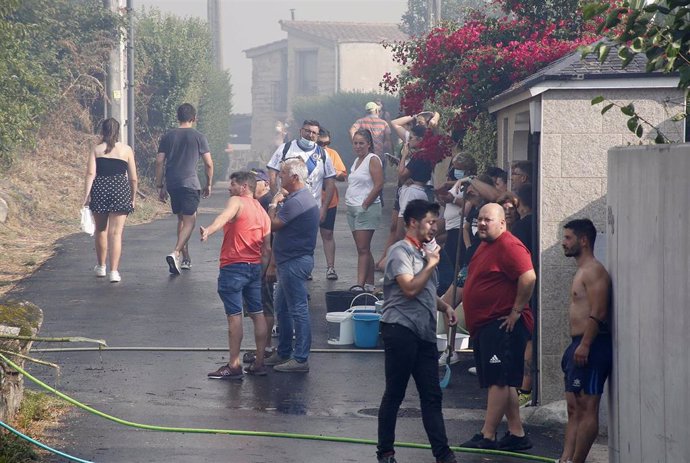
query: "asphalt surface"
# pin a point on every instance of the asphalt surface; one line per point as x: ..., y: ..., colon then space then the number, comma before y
x: 150, y: 308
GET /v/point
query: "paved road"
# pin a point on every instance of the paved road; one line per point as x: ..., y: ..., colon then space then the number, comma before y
x: 339, y: 397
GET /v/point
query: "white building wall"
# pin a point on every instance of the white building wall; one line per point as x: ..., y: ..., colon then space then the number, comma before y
x: 575, y: 138
x: 362, y: 66
x: 649, y: 262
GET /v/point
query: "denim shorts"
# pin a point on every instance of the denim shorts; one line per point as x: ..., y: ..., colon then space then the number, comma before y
x: 238, y: 282
x: 359, y: 219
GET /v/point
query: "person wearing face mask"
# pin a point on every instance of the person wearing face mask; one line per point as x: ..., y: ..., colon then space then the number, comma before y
x: 320, y: 171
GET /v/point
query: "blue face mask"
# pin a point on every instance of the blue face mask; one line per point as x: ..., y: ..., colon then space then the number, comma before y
x: 458, y: 173
x: 307, y: 143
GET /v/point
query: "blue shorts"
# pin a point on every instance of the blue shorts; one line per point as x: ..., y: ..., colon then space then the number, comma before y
x: 589, y: 379
x: 237, y: 282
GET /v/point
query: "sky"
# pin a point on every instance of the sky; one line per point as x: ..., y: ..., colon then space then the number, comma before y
x: 250, y: 23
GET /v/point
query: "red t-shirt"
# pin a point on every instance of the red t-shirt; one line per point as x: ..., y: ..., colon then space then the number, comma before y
x: 491, y: 284
x: 244, y: 236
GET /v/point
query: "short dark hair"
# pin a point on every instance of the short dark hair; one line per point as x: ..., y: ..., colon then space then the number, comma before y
x: 526, y: 167
x: 418, y: 131
x: 583, y: 227
x: 323, y: 132
x: 244, y: 177
x: 417, y: 209
x: 497, y: 172
x: 311, y: 122
x: 524, y: 194
x: 186, y: 112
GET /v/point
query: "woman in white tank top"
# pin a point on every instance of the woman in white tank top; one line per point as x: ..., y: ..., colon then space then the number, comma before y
x: 365, y: 183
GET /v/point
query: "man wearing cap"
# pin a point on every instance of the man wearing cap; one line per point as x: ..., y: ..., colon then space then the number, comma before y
x: 380, y: 131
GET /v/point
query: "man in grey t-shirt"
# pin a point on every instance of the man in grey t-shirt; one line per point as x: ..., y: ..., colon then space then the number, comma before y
x: 179, y: 152
x: 408, y: 328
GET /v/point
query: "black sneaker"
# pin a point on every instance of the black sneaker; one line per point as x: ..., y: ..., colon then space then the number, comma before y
x: 478, y: 441
x: 513, y: 443
x: 448, y: 458
x: 386, y: 459
x: 227, y: 372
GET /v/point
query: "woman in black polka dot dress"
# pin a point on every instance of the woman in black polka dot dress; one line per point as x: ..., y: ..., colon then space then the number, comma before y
x: 110, y: 190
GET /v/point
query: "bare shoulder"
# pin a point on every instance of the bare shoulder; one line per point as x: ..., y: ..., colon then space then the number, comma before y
x: 594, y: 271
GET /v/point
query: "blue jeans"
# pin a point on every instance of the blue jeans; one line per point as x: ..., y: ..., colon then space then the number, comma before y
x: 292, y: 308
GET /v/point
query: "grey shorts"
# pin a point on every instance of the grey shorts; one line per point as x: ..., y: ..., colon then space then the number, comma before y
x: 359, y: 219
x: 409, y: 193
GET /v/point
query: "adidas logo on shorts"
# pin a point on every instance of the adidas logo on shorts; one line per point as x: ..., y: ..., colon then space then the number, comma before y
x: 576, y: 383
x: 495, y: 359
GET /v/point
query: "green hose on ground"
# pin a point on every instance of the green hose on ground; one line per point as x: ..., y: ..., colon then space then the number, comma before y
x: 236, y: 432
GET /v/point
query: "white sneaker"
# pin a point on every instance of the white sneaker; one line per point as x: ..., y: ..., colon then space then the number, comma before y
x: 369, y: 288
x: 99, y: 270
x: 173, y: 263
x: 115, y: 276
x: 455, y: 358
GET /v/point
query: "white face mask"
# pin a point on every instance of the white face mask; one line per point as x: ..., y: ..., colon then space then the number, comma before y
x: 458, y: 173
x: 307, y: 143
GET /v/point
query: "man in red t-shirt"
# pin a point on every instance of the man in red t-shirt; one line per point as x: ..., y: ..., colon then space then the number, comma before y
x: 499, y: 284
x: 245, y: 251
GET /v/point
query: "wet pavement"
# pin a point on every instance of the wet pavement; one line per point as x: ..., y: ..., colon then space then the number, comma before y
x: 149, y: 308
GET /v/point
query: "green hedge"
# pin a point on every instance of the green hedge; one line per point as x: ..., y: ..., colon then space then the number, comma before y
x: 338, y: 112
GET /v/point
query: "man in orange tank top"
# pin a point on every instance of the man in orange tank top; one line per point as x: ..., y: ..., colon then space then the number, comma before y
x: 244, y: 253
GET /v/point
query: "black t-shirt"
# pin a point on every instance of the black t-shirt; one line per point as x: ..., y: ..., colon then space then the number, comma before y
x: 522, y: 229
x: 420, y: 170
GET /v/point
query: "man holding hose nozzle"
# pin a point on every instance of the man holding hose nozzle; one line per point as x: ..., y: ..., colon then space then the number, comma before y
x: 408, y: 328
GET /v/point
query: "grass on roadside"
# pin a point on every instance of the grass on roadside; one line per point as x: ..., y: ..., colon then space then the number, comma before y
x: 37, y: 412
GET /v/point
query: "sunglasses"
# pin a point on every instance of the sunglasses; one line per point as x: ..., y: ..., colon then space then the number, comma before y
x: 323, y: 143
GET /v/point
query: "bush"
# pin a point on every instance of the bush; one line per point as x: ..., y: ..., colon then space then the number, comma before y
x: 338, y: 112
x: 480, y: 142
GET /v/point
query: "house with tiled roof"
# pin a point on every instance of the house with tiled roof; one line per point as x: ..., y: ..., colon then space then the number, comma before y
x: 549, y: 120
x: 317, y: 58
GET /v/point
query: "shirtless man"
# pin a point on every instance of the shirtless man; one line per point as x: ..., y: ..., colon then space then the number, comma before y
x: 587, y: 361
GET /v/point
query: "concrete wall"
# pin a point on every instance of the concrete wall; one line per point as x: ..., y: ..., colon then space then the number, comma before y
x: 266, y: 69
x: 362, y: 66
x: 649, y: 262
x: 575, y: 139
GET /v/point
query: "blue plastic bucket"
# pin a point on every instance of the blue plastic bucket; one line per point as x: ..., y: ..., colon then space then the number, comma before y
x: 366, y: 329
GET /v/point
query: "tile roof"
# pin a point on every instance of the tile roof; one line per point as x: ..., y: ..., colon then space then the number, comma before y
x: 265, y: 48
x: 574, y: 67
x: 347, y: 32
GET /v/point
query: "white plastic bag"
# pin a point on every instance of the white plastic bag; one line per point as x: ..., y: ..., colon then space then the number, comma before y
x: 87, y: 223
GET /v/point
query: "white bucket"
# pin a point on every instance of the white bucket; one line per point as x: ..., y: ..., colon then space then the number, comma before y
x: 462, y: 341
x: 340, y: 328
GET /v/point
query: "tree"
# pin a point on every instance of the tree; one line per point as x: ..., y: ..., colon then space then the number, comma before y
x: 660, y: 30
x: 174, y: 65
x: 414, y: 21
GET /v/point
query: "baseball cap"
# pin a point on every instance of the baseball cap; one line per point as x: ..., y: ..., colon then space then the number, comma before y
x: 260, y: 174
x: 371, y: 106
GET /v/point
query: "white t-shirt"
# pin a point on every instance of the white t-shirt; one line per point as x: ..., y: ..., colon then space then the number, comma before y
x: 360, y: 183
x: 315, y: 165
x: 451, y: 213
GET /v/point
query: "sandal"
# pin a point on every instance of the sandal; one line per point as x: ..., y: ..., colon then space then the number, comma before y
x: 253, y: 370
x: 357, y: 289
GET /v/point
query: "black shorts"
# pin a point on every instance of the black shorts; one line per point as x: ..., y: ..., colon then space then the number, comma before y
x: 499, y: 355
x: 184, y: 201
x: 589, y: 379
x: 329, y: 222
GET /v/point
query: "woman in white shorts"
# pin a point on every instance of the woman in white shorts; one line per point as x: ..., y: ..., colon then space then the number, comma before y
x: 365, y: 182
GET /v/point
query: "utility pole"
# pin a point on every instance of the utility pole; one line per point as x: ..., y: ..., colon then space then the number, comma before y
x: 433, y: 13
x: 213, y: 18
x: 115, y: 103
x: 130, y: 73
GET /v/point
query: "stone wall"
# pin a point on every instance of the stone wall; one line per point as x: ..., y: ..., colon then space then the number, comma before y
x: 575, y: 138
x: 25, y: 319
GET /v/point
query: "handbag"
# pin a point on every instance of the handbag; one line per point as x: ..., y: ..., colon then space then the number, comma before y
x: 87, y: 223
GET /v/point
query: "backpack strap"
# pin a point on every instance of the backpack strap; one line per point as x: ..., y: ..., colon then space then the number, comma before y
x: 286, y: 148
